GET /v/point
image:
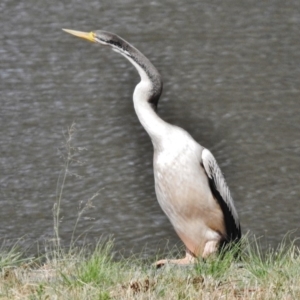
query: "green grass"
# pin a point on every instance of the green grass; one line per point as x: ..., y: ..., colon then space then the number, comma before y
x: 86, y: 274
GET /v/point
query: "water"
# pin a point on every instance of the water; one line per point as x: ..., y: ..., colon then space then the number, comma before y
x: 231, y: 78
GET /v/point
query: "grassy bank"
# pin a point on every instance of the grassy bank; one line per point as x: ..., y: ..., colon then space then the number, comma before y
x: 86, y: 274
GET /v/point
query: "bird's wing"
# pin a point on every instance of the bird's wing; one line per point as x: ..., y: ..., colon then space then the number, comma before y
x: 221, y: 193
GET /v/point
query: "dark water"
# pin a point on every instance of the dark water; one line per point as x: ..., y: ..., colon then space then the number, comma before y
x: 231, y: 74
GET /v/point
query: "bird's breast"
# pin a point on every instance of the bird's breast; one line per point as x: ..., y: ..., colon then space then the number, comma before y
x: 184, y: 194
x: 180, y: 181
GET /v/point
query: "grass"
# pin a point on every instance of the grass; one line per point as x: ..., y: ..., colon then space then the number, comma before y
x: 93, y: 273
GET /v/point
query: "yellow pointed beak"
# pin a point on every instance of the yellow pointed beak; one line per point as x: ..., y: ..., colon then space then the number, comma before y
x: 90, y: 36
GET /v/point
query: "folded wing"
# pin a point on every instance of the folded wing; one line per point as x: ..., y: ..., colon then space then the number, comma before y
x: 222, y: 194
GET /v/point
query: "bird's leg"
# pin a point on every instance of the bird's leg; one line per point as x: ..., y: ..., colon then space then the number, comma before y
x: 190, y: 258
x: 210, y: 248
x: 187, y: 260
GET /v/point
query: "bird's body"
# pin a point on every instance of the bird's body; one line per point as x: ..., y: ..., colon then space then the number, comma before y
x: 189, y: 185
x: 184, y: 194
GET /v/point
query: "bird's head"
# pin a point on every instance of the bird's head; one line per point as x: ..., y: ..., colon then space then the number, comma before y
x: 102, y: 37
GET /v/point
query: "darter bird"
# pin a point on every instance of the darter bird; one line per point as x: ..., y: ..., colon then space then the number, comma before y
x: 189, y: 184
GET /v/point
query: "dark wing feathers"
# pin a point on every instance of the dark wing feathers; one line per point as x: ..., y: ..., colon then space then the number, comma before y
x: 221, y: 193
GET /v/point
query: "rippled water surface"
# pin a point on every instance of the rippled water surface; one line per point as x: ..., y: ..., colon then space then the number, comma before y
x: 231, y: 78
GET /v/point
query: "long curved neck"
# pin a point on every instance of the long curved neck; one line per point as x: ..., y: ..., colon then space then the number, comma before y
x: 146, y: 93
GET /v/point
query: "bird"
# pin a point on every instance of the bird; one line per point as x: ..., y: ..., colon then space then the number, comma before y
x: 189, y: 185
